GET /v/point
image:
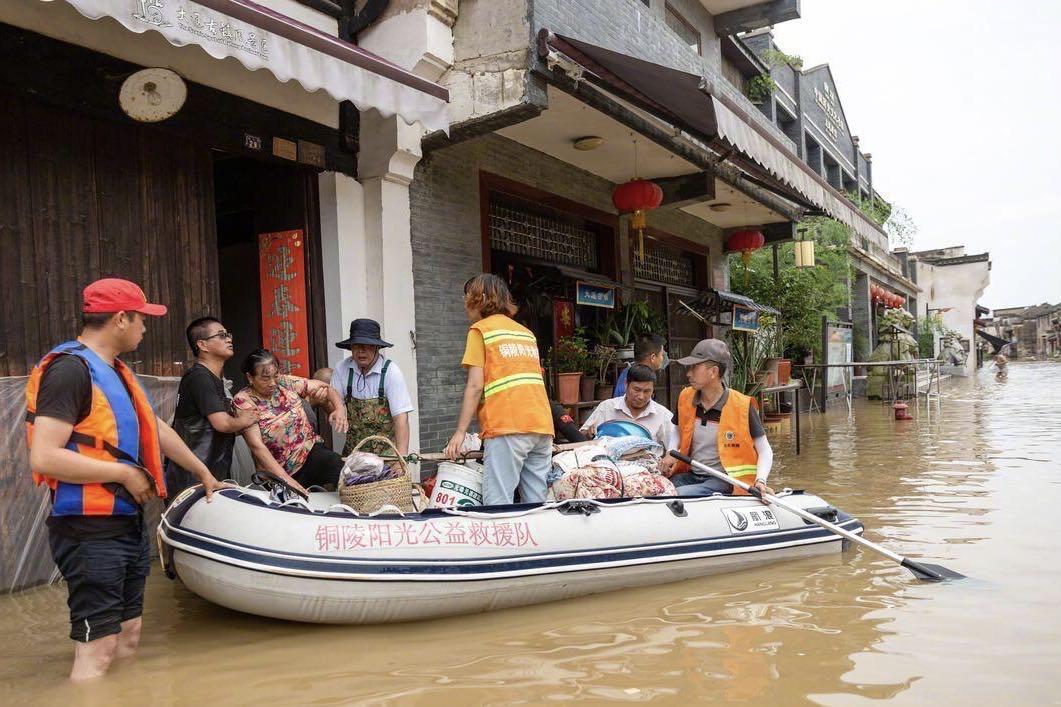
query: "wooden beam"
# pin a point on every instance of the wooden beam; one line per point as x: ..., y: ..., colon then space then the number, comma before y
x: 755, y: 16
x: 686, y: 189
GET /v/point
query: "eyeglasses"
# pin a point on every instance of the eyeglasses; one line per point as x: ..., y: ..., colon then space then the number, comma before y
x: 221, y: 334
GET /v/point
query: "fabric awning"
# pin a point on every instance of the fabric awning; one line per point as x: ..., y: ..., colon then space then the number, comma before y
x: 261, y: 38
x: 734, y: 298
x: 692, y: 103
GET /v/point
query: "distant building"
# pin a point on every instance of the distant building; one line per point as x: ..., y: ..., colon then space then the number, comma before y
x: 951, y: 284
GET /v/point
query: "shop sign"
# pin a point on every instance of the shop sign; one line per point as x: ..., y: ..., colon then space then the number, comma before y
x: 282, y: 273
x: 745, y: 318
x: 191, y: 23
x: 594, y: 295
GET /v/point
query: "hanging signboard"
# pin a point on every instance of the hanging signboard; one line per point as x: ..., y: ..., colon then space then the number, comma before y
x: 745, y: 319
x: 594, y: 295
x: 282, y: 268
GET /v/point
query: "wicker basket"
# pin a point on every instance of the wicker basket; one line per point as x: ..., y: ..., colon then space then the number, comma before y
x: 370, y: 497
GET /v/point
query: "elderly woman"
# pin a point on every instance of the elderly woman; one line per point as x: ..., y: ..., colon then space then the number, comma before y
x: 284, y: 442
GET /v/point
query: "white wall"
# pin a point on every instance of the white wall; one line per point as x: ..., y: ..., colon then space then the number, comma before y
x: 958, y: 287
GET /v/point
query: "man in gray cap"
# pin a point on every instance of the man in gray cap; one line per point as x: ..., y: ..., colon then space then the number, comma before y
x: 717, y: 427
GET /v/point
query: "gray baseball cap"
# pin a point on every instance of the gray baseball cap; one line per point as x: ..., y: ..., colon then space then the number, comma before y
x: 709, y: 350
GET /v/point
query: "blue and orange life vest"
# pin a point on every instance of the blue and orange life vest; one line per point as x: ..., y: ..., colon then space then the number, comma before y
x: 121, y: 426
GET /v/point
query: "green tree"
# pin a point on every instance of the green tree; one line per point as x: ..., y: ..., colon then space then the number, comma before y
x: 802, y: 295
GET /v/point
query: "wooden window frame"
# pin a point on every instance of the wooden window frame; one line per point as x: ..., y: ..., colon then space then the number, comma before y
x: 703, y: 263
x: 605, y: 224
x: 669, y: 11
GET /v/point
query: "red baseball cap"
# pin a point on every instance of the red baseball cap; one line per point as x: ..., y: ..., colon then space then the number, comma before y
x: 112, y: 294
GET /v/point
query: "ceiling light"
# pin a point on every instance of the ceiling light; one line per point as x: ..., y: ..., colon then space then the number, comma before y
x: 588, y: 142
x: 719, y: 207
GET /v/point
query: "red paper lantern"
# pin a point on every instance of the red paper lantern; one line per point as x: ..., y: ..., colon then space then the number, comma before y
x: 636, y: 197
x: 746, y: 242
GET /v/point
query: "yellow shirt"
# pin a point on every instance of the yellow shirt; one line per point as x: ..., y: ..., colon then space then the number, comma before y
x: 474, y: 350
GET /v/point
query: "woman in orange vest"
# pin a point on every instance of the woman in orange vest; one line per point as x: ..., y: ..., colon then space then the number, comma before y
x: 716, y: 426
x: 506, y: 392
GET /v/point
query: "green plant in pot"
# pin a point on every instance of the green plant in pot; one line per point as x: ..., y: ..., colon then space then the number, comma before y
x: 602, y: 360
x: 570, y: 356
x: 624, y: 325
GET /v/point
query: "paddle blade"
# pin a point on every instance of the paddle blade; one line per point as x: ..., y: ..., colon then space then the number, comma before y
x: 930, y: 573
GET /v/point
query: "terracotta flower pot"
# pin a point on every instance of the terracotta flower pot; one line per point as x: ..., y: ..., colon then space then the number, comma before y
x: 586, y: 388
x: 567, y: 387
x: 604, y: 391
x: 784, y: 371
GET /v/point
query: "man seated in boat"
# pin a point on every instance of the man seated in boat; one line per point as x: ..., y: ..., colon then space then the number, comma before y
x: 717, y: 426
x: 634, y: 405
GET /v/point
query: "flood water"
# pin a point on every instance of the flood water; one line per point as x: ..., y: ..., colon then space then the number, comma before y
x: 974, y: 486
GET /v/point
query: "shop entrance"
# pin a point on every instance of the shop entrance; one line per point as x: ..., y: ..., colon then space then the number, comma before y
x: 254, y: 197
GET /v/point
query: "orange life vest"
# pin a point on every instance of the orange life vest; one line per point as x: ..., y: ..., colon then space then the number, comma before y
x: 121, y: 426
x: 514, y: 399
x: 736, y: 448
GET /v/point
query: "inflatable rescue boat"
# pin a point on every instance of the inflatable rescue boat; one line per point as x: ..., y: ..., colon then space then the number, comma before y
x: 319, y: 561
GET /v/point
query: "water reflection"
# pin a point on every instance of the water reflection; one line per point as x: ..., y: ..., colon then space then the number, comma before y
x: 972, y: 487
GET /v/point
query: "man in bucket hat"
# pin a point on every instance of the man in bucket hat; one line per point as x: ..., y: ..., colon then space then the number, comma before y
x: 716, y: 426
x: 373, y: 389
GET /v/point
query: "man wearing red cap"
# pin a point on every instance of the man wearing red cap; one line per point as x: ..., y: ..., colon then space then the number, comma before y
x: 96, y: 442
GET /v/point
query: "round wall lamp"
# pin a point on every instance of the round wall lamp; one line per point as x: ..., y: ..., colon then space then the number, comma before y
x: 152, y: 95
x: 587, y: 143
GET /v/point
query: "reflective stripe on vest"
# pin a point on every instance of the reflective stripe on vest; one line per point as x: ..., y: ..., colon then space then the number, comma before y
x: 736, y: 448
x: 121, y: 425
x: 514, y: 399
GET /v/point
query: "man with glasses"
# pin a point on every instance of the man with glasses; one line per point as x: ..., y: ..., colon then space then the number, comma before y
x: 205, y: 418
x: 716, y: 426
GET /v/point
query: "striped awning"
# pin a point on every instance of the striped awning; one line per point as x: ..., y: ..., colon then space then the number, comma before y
x: 261, y: 38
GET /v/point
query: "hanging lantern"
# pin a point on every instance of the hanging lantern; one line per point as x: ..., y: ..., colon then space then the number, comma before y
x: 804, y: 254
x: 637, y: 197
x: 746, y: 242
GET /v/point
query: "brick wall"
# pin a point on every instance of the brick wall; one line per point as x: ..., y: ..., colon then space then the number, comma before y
x: 447, y: 250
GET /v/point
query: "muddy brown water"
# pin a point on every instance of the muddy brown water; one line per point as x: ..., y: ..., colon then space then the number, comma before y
x: 975, y: 486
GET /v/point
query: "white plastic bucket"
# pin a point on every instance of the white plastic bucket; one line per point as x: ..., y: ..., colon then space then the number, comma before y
x: 458, y: 485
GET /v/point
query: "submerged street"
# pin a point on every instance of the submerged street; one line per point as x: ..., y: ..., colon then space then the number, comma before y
x: 973, y: 484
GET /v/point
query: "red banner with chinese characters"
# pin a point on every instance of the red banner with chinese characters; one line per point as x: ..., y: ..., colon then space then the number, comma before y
x: 282, y: 272
x: 563, y: 319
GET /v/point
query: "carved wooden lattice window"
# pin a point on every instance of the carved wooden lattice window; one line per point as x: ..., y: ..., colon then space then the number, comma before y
x: 665, y: 264
x: 522, y: 227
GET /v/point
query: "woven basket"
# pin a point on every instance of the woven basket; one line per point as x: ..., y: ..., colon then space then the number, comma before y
x: 369, y: 498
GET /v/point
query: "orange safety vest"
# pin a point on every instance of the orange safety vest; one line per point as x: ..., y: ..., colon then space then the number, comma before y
x: 514, y: 399
x: 121, y: 426
x: 736, y: 448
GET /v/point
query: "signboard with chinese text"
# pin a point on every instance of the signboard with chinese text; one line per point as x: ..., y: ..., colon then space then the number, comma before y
x: 594, y: 295
x: 282, y: 272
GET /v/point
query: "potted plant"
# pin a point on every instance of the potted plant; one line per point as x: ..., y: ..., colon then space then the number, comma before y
x: 768, y: 341
x: 603, y: 359
x: 570, y: 355
x: 623, y: 326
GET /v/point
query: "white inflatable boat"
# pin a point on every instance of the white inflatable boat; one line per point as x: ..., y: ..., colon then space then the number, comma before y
x: 318, y: 561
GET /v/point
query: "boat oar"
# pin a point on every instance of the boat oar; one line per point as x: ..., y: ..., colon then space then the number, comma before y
x: 921, y: 570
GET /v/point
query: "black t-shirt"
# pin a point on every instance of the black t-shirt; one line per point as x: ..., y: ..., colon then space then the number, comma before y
x: 200, y: 395
x: 65, y: 394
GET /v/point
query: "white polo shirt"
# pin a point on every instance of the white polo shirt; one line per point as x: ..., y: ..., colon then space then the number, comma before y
x: 655, y: 418
x: 366, y: 385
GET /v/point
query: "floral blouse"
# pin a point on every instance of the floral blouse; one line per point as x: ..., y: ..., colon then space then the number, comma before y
x: 282, y: 420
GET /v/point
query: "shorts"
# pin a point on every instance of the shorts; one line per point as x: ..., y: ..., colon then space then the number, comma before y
x: 321, y: 468
x: 105, y: 579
